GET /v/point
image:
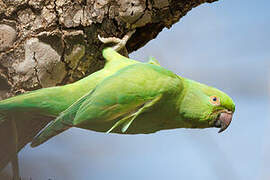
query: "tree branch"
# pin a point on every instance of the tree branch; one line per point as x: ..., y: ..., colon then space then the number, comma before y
x: 62, y: 34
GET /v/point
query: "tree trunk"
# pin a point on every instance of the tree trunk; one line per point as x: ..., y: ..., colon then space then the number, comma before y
x: 46, y: 43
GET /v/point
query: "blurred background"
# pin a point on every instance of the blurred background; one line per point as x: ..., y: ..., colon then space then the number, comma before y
x: 223, y: 44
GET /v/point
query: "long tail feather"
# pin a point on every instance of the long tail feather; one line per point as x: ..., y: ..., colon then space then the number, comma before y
x: 27, y: 126
x: 59, y: 125
x: 9, y: 142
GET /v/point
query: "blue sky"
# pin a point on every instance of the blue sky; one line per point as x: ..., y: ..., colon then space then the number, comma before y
x: 217, y: 42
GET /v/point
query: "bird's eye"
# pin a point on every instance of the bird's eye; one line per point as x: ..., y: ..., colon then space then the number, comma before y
x: 215, y: 100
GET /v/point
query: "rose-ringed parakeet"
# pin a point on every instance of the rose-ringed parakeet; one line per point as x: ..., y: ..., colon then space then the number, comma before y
x: 128, y: 97
x: 144, y: 98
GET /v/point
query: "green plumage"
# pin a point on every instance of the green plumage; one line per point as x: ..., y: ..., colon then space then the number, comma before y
x: 126, y: 96
x: 139, y: 98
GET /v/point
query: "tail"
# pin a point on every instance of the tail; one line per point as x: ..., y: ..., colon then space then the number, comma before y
x: 16, y: 130
x: 60, y: 124
x: 9, y: 145
x: 15, y: 167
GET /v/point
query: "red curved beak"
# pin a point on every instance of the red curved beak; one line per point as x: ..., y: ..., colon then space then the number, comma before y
x: 223, y: 121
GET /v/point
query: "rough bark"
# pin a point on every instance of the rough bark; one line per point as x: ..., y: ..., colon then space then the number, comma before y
x: 46, y: 43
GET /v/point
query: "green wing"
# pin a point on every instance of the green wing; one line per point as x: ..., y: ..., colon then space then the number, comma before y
x: 60, y: 124
x: 126, y: 94
x: 116, y: 101
x: 126, y: 121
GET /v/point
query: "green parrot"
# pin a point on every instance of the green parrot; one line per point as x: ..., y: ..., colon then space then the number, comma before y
x: 143, y: 98
x: 127, y: 97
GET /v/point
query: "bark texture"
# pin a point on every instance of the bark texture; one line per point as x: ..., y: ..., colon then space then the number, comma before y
x: 46, y: 43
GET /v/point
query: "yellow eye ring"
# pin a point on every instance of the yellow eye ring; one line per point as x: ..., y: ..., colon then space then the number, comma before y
x: 215, y: 100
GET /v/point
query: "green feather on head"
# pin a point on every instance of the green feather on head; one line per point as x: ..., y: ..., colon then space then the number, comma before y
x: 203, y: 104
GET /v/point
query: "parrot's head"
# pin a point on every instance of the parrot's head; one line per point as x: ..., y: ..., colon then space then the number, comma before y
x: 202, y: 106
